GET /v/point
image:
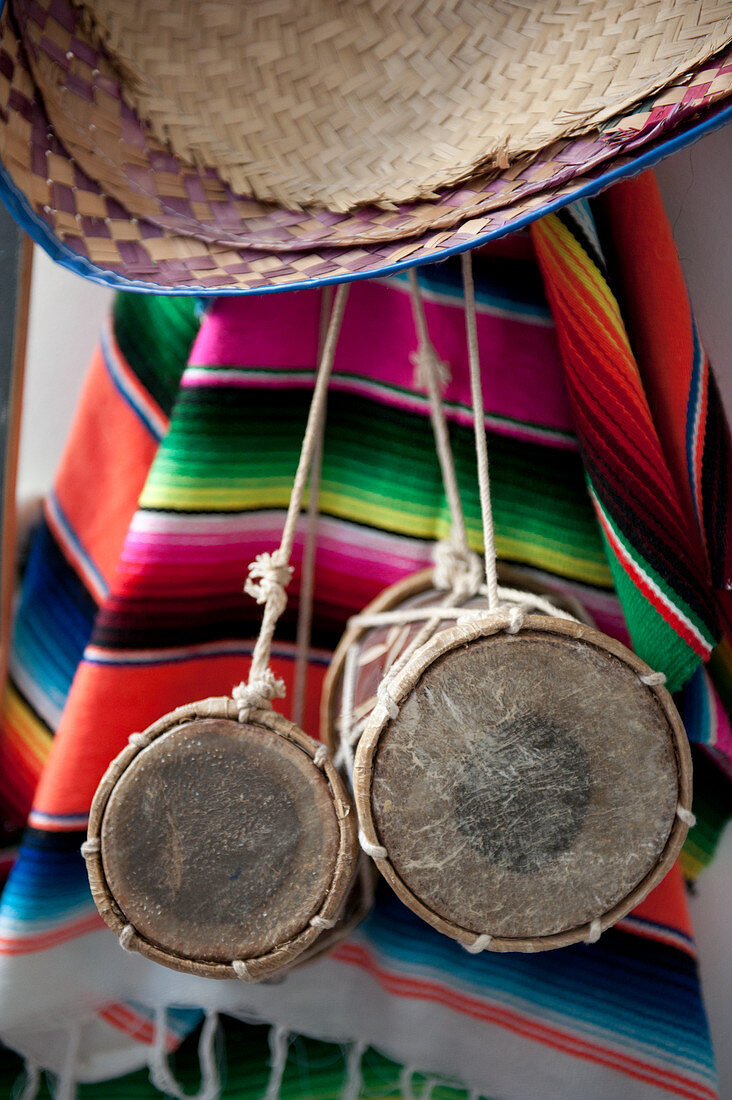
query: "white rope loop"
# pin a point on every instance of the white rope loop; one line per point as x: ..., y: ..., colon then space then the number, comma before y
x: 269, y: 574
x: 268, y: 578
x: 480, y: 943
x: 320, y: 756
x: 456, y: 570
x: 653, y: 679
x: 128, y: 938
x: 241, y: 969
x: 321, y: 923
x: 139, y: 740
x: 375, y: 851
x: 258, y: 694
x: 594, y: 931
x: 685, y: 816
x: 386, y: 699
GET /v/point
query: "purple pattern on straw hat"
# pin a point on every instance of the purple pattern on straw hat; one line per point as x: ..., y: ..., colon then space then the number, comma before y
x: 203, y: 206
x: 101, y: 231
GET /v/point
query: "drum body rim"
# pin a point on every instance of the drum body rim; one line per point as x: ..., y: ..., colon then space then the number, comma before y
x: 404, y: 682
x: 284, y: 954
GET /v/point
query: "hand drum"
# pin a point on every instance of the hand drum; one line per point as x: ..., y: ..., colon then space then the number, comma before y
x: 522, y: 783
x: 219, y: 847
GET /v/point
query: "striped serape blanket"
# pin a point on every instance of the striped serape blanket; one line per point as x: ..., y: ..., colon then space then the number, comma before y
x: 609, y: 464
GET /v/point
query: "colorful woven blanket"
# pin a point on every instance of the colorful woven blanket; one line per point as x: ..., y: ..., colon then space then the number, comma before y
x: 610, y: 476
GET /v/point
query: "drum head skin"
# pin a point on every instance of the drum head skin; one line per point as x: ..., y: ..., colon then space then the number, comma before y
x: 221, y: 841
x: 528, y: 787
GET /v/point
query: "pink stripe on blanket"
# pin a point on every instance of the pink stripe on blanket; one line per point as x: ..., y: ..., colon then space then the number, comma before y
x: 521, y: 366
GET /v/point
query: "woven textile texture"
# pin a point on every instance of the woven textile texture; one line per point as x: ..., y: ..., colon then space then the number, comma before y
x: 177, y: 473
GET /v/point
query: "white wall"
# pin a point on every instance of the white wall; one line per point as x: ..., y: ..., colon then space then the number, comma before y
x: 66, y: 314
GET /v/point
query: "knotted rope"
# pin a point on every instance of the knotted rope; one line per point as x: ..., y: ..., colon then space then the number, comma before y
x: 269, y: 574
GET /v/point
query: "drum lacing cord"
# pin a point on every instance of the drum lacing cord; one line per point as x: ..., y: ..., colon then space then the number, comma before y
x: 269, y: 574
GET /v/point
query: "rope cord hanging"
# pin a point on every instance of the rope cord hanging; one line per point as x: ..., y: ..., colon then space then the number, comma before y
x: 307, y: 587
x: 457, y: 567
x: 269, y: 574
x: 481, y: 448
x: 431, y: 374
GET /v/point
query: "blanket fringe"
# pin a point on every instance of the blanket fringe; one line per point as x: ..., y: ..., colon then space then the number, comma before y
x: 29, y: 1089
x: 279, y: 1043
x: 405, y: 1083
x: 353, y: 1080
x: 64, y: 1087
x: 161, y: 1075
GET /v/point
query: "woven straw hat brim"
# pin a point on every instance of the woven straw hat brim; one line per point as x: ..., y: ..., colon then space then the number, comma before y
x: 90, y: 231
x: 130, y: 166
x: 115, y: 149
x: 339, y: 104
x: 94, y: 234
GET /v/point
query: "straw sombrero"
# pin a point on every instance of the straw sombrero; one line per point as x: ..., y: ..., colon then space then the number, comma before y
x: 237, y: 147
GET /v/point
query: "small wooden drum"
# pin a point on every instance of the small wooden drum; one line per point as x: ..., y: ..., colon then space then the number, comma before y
x: 222, y: 848
x: 523, y: 784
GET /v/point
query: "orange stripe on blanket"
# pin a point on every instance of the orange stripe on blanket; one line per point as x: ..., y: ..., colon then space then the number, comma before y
x: 139, y: 1028
x: 44, y: 941
x: 666, y: 904
x: 111, y: 454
